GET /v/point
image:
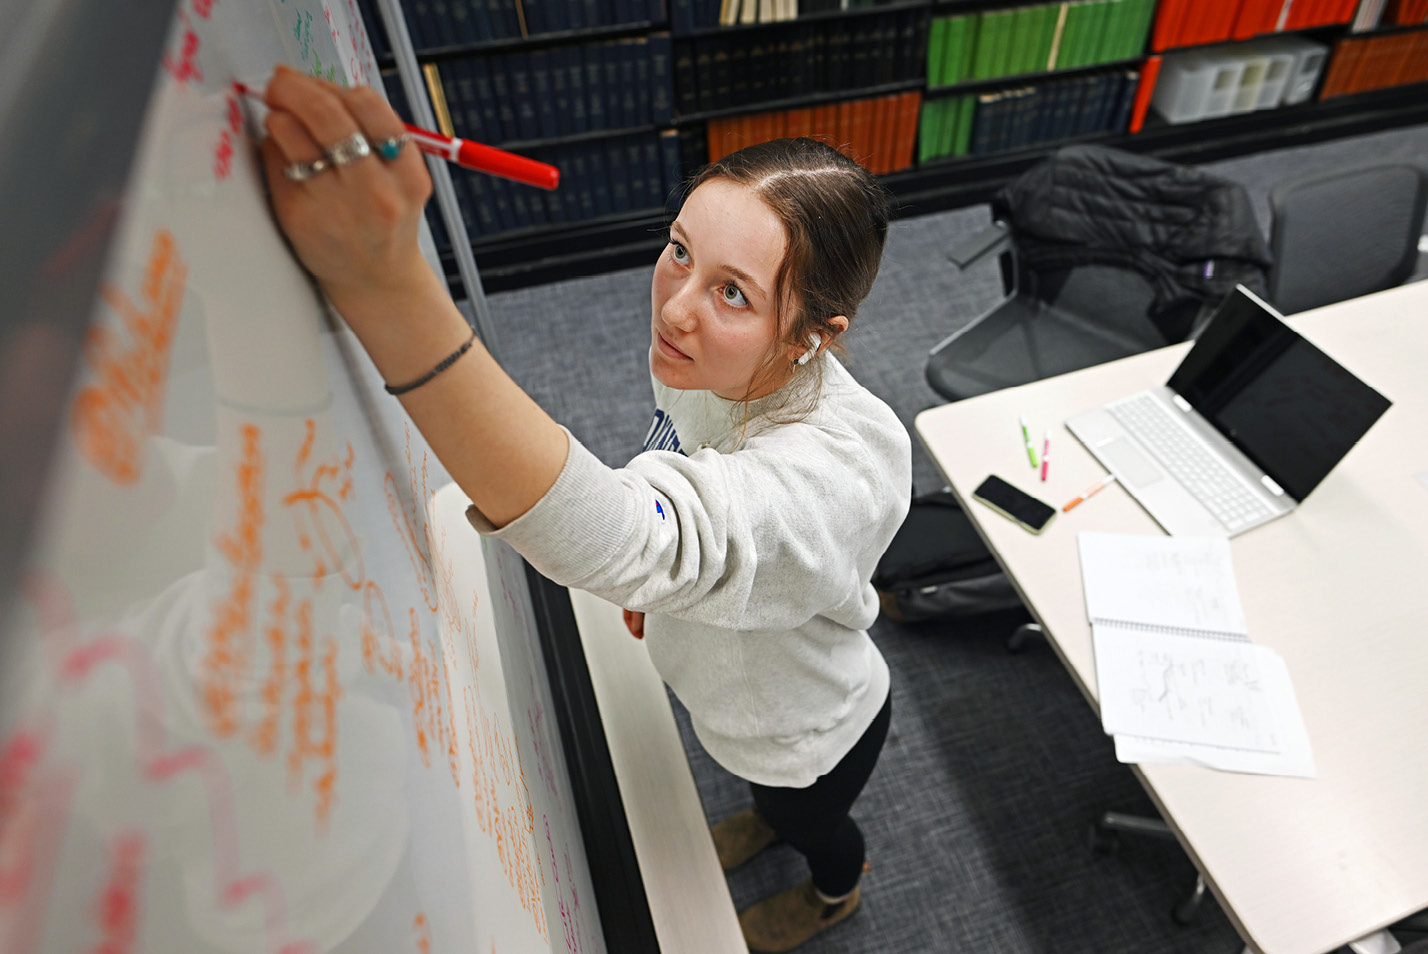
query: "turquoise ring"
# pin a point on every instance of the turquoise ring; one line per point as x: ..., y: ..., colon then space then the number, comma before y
x: 391, y: 148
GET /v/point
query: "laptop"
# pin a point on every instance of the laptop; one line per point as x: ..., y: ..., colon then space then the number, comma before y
x: 1250, y: 422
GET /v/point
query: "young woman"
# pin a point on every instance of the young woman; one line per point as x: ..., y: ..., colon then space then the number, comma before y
x: 743, y: 538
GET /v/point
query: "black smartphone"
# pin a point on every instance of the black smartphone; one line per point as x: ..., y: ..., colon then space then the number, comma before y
x: 1014, y: 504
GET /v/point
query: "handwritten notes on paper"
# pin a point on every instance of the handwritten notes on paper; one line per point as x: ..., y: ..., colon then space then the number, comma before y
x: 1176, y: 673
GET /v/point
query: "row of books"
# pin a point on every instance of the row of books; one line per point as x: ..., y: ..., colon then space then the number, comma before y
x: 1193, y: 22
x: 1406, y: 12
x: 438, y: 24
x: 723, y: 71
x: 556, y: 92
x: 1377, y: 62
x: 1022, y: 117
x: 630, y: 173
x: 1016, y: 40
x: 687, y: 16
x: 1263, y: 73
x: 877, y: 132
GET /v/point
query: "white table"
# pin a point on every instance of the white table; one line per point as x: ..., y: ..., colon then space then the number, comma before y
x: 1339, y: 588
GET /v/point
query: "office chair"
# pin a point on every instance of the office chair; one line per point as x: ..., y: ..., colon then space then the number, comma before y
x: 1341, y: 234
x: 1103, y: 254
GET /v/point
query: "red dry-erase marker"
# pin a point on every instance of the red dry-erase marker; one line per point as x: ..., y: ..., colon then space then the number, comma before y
x: 468, y: 154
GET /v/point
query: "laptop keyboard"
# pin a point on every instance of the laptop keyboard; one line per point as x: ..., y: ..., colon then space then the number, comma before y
x: 1185, y: 456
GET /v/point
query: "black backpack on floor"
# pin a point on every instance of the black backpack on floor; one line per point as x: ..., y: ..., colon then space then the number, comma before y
x: 937, y: 566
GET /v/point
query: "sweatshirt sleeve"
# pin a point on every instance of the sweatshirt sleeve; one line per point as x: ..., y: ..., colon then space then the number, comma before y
x: 788, y: 527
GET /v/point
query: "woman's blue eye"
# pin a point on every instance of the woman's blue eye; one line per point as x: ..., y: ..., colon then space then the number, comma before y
x: 679, y: 252
x: 733, y: 296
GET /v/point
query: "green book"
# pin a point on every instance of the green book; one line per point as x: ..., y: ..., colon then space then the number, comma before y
x: 1046, y: 32
x: 1073, y: 44
x: 927, y: 130
x: 1139, y: 28
x: 936, y: 50
x: 1018, y: 40
x: 966, y: 116
x: 1098, y: 29
x: 981, y: 39
x: 955, y: 49
x: 1001, y: 46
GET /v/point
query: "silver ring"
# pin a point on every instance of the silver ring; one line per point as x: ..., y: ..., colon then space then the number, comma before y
x: 348, y: 150
x: 391, y: 147
x: 303, y: 171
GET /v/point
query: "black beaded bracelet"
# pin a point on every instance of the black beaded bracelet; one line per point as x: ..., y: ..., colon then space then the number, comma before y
x: 441, y: 366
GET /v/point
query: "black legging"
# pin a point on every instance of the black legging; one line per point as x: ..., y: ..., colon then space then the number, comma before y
x: 815, y: 820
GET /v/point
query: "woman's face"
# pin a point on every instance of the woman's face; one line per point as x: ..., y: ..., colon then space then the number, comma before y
x: 713, y: 317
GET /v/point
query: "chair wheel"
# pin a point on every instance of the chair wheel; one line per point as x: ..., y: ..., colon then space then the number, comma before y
x: 1183, y: 913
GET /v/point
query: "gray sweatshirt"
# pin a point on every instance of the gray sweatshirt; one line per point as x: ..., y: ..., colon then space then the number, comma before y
x: 749, y: 546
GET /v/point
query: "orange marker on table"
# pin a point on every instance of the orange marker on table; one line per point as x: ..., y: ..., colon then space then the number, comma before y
x: 1091, y: 491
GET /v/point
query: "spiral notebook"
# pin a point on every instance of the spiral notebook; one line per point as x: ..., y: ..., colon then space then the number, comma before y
x: 1174, y: 660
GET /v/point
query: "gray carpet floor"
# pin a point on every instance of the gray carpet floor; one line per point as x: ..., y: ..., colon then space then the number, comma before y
x: 977, y: 817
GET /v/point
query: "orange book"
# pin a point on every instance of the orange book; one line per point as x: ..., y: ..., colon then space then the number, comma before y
x: 907, y: 136
x: 800, y: 122
x: 1250, y: 19
x: 1342, y: 65
x: 843, y: 128
x: 860, y: 127
x: 1148, y: 73
x: 1167, y: 23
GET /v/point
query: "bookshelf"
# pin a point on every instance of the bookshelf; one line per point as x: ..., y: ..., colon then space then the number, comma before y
x: 945, y: 99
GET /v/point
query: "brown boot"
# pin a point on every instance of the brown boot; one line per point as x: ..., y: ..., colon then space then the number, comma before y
x: 739, y: 837
x: 786, y: 920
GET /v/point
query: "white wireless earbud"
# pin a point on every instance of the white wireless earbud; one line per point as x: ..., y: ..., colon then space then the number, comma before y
x: 817, y: 341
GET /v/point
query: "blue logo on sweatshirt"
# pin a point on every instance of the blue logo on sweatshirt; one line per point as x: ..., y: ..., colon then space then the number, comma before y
x: 662, y: 435
x: 659, y: 510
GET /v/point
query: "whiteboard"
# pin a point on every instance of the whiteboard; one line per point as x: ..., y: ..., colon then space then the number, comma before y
x: 263, y: 689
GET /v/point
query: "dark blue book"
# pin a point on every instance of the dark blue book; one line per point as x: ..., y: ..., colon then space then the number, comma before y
x: 582, y: 189
x: 420, y: 24
x: 560, y: 100
x: 623, y: 11
x: 600, y: 180
x: 556, y: 15
x: 661, y: 83
x: 617, y: 94
x: 542, y: 94
x: 575, y: 83
x: 483, y: 201
x: 681, y: 17
x: 742, y: 59
x: 634, y: 81
x: 1120, y: 122
x: 527, y: 121
x: 597, y: 13
x: 594, y: 86
x: 479, y: 15
x: 721, y: 68
x: 479, y: 68
x: 555, y: 200
x: 520, y: 203
x: 654, y: 171
x: 673, y: 175
x: 460, y: 91
x: 656, y: 13
x: 686, y: 87
x: 442, y: 24
x: 633, y: 162
x: 505, y: 105
x: 575, y: 15
x: 501, y: 202
x: 463, y: 30
x: 619, y: 173
x: 982, y: 123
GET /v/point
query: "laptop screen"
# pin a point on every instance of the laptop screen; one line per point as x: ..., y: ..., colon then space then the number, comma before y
x: 1289, y: 407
